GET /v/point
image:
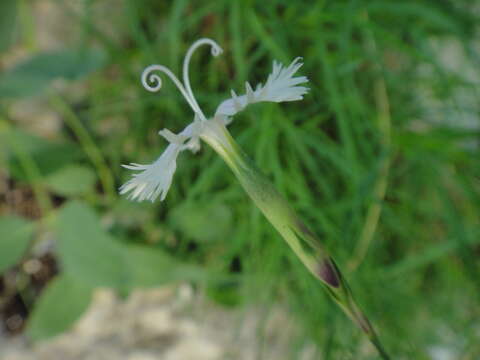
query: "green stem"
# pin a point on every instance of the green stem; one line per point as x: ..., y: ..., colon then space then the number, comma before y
x: 30, y: 167
x: 380, y: 188
x: 299, y: 237
x: 88, y: 144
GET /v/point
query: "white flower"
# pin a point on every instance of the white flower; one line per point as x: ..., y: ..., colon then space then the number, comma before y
x: 155, y: 179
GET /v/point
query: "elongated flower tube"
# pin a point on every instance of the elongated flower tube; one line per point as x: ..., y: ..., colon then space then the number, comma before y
x: 154, y: 180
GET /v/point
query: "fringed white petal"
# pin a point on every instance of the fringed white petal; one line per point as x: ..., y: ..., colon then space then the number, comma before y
x: 154, y: 179
x: 280, y: 86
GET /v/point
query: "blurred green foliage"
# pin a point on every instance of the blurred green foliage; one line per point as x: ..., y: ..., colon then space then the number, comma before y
x: 15, y: 233
x: 32, y: 76
x: 381, y: 159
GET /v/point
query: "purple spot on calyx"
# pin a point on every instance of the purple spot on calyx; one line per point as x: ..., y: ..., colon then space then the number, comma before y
x: 305, y: 229
x: 328, y: 273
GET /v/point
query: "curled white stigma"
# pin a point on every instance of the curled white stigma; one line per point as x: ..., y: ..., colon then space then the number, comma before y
x: 149, y: 77
x: 155, y: 179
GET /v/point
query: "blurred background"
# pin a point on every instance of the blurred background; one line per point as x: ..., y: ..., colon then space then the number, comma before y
x: 381, y: 159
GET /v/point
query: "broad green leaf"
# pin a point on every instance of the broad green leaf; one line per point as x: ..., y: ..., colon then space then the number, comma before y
x: 30, y: 143
x: 86, y: 251
x: 35, y: 74
x: 15, y: 234
x: 71, y: 180
x: 203, y: 222
x: 152, y: 267
x: 59, y: 306
x: 8, y: 17
x: 47, y: 155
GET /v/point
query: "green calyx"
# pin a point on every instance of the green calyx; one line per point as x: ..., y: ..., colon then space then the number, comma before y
x: 277, y: 210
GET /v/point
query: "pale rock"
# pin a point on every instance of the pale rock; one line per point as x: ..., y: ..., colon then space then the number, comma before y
x: 157, y: 321
x: 141, y: 355
x: 198, y: 349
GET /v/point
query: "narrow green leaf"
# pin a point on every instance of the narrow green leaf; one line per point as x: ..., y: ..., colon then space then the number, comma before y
x: 15, y: 234
x: 257, y: 27
x: 59, y: 306
x: 8, y: 18
x: 417, y: 12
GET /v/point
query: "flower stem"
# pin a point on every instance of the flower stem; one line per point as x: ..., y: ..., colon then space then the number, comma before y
x: 88, y: 144
x: 384, y: 126
x: 299, y: 237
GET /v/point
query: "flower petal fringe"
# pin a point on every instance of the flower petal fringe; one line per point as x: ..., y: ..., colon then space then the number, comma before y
x: 280, y: 86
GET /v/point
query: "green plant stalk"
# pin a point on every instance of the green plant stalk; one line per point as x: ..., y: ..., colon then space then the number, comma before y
x: 31, y: 169
x: 88, y: 144
x: 380, y: 188
x: 276, y: 209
